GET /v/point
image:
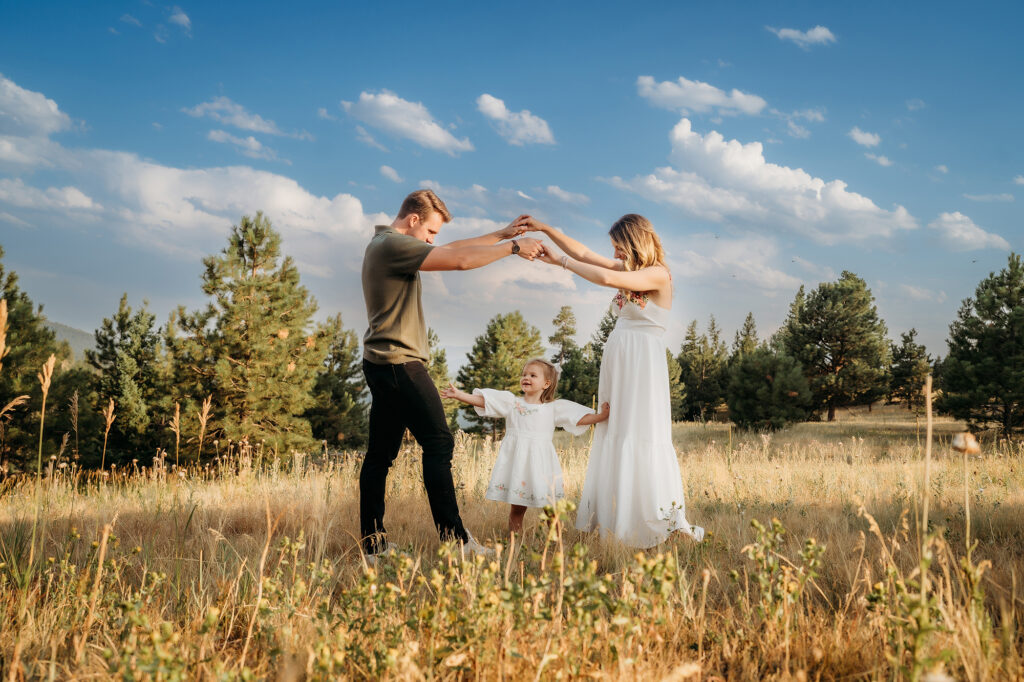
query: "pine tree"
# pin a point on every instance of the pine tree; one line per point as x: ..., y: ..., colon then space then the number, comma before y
x: 497, y: 360
x: 564, y: 337
x: 29, y: 344
x: 339, y: 414
x: 745, y: 341
x: 983, y: 373
x: 437, y: 367
x: 600, y: 337
x: 767, y: 390
x: 910, y: 366
x: 254, y: 346
x: 836, y: 335
x: 778, y: 341
x: 676, y: 389
x: 128, y: 368
x: 703, y: 361
x: 579, y: 378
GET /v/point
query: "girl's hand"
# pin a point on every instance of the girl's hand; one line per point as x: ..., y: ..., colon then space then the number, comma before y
x: 451, y: 392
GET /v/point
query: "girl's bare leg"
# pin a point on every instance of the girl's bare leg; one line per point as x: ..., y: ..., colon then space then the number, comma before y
x: 515, y: 518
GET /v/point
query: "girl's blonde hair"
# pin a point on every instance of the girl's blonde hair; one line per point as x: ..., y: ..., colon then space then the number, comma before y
x: 635, y: 236
x: 550, y: 373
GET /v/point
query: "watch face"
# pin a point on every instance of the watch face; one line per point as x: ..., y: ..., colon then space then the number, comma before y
x: 515, y: 248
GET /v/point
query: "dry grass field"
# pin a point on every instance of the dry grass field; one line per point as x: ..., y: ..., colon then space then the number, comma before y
x: 813, y: 569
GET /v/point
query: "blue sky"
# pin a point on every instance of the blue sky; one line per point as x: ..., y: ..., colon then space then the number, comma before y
x: 771, y: 145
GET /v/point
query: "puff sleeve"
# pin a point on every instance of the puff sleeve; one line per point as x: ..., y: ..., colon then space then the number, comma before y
x: 567, y: 413
x: 497, y: 404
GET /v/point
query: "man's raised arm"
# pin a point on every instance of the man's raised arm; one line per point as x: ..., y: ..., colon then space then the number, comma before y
x: 457, y: 256
x: 510, y: 231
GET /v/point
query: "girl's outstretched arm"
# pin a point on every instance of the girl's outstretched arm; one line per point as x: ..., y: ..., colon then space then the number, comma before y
x: 572, y: 247
x: 462, y: 396
x: 588, y: 419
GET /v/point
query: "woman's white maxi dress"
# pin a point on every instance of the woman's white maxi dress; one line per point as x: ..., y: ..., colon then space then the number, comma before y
x: 633, y: 488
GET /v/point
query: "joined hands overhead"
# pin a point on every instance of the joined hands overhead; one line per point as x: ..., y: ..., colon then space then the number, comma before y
x: 529, y: 248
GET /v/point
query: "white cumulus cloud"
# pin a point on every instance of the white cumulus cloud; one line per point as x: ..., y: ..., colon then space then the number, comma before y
x: 863, y: 138
x: 959, y: 233
x: 819, y: 35
x: 566, y: 196
x: 685, y: 96
x: 726, y: 181
x: 24, y: 112
x: 746, y: 260
x: 1019, y: 180
x: 248, y: 146
x: 942, y: 168
x: 15, y: 192
x: 390, y: 173
x: 231, y: 113
x: 387, y: 111
x: 518, y: 128
x: 881, y: 160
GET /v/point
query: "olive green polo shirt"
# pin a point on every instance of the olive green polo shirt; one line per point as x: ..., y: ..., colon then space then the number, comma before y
x: 392, y: 291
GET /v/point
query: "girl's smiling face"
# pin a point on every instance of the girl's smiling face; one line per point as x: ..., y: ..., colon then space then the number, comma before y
x: 533, y: 380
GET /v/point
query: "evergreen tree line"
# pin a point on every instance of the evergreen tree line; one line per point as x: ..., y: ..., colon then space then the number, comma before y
x: 253, y: 366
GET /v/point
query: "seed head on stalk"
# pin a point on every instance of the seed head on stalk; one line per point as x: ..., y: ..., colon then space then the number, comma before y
x: 108, y: 415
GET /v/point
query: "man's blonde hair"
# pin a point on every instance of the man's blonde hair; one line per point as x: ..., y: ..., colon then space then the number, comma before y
x: 636, y: 238
x: 423, y: 202
x: 550, y: 373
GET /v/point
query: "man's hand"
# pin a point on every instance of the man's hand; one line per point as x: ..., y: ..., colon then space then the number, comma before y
x: 514, y: 228
x: 530, y: 248
x: 606, y: 410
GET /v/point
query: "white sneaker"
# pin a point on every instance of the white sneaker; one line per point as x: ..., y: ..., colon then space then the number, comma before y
x: 472, y: 548
x: 390, y: 550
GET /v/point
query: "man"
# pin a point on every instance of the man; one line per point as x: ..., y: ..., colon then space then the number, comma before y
x: 395, y: 354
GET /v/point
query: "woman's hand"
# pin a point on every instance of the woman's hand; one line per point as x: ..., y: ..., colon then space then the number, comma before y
x: 549, y: 256
x: 531, y: 224
x: 606, y: 410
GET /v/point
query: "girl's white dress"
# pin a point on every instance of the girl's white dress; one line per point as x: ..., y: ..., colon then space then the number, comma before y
x: 527, y: 471
x: 633, y: 488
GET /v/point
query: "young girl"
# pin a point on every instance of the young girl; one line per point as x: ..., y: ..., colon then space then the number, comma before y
x: 527, y: 473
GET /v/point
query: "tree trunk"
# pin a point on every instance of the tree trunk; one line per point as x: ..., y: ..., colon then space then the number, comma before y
x: 831, y: 412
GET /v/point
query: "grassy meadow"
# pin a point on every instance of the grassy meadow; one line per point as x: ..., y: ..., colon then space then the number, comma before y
x: 247, y: 569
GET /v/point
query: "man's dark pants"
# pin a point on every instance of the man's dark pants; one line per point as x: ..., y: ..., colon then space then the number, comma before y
x: 404, y: 396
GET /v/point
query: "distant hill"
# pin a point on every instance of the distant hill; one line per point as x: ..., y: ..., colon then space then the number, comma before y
x: 76, y: 338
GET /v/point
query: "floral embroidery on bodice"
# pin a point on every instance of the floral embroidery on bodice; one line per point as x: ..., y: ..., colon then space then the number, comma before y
x: 636, y: 297
x: 525, y: 409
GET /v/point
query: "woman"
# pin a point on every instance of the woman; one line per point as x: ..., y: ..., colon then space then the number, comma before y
x: 633, y: 487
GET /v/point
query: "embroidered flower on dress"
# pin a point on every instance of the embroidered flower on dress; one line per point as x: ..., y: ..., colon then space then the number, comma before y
x: 522, y: 409
x: 638, y: 298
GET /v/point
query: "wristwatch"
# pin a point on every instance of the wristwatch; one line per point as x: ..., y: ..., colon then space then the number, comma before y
x: 515, y: 247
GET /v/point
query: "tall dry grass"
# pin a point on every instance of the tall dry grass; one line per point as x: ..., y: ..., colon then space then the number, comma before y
x: 816, y: 565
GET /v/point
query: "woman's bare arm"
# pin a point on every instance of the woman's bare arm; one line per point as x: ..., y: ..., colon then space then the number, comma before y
x: 653, y: 278
x: 572, y: 247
